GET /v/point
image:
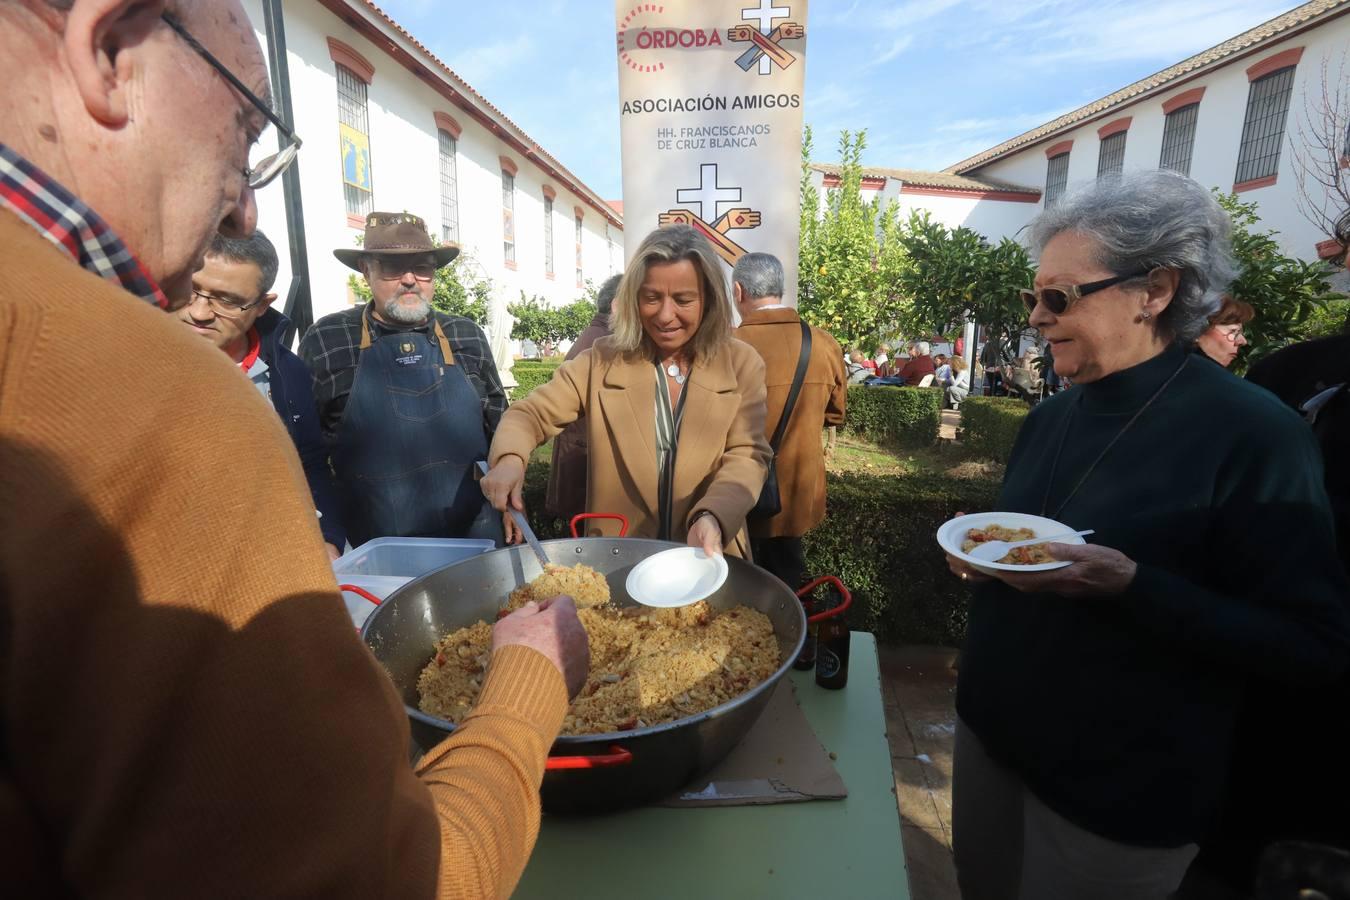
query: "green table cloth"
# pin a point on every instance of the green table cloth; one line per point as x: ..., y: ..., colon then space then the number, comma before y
x: 822, y: 849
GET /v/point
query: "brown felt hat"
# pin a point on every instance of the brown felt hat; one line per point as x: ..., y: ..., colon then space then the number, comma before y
x: 394, y: 234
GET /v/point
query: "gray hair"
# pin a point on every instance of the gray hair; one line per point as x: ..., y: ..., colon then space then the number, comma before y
x: 922, y: 348
x: 1150, y: 220
x: 604, y: 298
x: 759, y: 275
x: 256, y: 249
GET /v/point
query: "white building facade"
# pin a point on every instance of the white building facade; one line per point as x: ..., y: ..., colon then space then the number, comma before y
x: 1234, y: 117
x: 387, y: 126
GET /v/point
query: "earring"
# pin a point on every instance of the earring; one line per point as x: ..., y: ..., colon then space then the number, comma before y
x: 1145, y: 316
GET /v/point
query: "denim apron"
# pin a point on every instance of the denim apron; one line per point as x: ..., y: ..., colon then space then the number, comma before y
x: 410, y: 434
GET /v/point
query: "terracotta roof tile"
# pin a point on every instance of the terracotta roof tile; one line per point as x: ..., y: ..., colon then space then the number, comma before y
x: 936, y: 179
x: 1266, y: 33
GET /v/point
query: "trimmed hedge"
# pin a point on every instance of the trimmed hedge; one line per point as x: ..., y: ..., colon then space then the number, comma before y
x: 530, y: 373
x: 894, y: 416
x: 989, y: 425
x: 878, y: 538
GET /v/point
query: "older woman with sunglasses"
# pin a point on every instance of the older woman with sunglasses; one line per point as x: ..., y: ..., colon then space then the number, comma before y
x: 1096, y: 701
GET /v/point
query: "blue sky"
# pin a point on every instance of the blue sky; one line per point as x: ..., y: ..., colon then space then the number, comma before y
x: 932, y: 81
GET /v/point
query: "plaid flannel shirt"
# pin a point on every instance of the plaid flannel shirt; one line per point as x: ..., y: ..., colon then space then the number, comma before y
x: 60, y: 217
x: 332, y: 348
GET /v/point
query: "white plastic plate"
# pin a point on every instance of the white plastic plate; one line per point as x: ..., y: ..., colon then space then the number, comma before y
x: 676, y: 577
x: 952, y: 532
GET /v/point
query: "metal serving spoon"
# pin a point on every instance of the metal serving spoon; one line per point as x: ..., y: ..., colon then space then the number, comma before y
x: 992, y: 551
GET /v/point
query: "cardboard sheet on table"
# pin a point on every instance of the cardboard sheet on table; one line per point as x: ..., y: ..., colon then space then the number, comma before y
x: 779, y: 761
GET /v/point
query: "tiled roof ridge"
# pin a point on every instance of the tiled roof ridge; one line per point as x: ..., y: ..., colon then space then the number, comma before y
x: 947, y: 180
x: 468, y: 89
x: 1267, y: 32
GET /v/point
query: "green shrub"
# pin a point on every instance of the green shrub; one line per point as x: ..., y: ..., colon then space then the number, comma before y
x: 894, y: 416
x: 529, y: 374
x: 989, y: 425
x: 878, y: 537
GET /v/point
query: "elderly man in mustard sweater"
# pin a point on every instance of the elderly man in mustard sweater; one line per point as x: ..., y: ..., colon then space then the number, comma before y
x: 186, y: 710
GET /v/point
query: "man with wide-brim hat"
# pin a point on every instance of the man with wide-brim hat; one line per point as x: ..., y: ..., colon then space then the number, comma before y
x: 408, y: 396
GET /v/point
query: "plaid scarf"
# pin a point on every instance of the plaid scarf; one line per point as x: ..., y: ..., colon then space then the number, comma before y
x: 61, y: 218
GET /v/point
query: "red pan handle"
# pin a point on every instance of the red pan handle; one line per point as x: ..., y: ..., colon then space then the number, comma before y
x: 617, y: 756
x: 360, y: 592
x: 623, y: 521
x: 843, y: 592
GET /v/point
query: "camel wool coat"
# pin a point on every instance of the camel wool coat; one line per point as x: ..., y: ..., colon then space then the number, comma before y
x: 776, y: 334
x: 722, y: 457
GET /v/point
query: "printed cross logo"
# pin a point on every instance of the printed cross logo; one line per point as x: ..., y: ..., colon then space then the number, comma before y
x: 766, y: 38
x: 710, y: 221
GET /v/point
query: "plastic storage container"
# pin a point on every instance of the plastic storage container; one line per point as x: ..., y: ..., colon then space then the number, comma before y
x: 384, y: 565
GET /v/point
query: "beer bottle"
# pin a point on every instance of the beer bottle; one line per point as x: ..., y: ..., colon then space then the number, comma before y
x: 832, y: 642
x: 806, y: 660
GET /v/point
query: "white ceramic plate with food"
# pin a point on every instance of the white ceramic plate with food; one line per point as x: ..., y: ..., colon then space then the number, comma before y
x: 953, y: 532
x: 676, y: 577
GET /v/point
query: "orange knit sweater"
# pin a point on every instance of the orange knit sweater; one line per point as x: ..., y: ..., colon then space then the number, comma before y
x: 186, y: 709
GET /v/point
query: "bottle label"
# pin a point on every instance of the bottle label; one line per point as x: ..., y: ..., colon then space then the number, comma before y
x: 827, y: 662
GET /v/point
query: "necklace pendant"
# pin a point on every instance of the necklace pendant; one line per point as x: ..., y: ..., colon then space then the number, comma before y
x: 679, y: 379
x: 673, y: 370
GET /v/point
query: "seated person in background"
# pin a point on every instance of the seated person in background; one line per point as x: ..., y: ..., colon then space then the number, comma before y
x: 942, y: 369
x: 231, y: 307
x: 857, y: 368
x: 919, y: 365
x: 869, y: 364
x: 1224, y: 338
x: 957, y: 385
x: 883, y: 360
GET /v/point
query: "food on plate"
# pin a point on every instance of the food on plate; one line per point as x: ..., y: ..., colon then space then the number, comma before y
x: 648, y: 666
x: 1032, y: 555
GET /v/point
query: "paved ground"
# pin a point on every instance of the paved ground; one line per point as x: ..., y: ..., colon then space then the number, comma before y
x: 947, y: 429
x: 918, y: 688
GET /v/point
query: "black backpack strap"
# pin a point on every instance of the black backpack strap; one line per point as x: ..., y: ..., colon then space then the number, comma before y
x: 803, y: 358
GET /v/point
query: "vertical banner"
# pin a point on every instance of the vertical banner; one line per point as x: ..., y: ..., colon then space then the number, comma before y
x: 710, y: 95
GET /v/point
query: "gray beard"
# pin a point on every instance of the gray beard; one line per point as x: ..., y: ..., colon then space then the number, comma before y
x: 398, y: 312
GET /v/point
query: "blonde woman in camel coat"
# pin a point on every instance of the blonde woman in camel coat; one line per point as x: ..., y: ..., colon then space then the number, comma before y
x: 672, y: 352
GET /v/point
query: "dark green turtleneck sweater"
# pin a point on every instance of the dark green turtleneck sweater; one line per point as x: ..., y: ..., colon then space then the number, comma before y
x: 1118, y: 711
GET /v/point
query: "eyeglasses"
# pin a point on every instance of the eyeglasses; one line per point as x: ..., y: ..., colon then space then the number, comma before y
x: 229, y: 307
x: 394, y: 269
x: 1231, y: 332
x: 1059, y: 297
x: 266, y: 171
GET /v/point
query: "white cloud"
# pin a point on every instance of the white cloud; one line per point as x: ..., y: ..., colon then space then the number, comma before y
x: 897, y: 46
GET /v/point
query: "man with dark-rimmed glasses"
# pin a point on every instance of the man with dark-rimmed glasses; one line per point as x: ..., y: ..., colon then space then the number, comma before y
x: 185, y: 710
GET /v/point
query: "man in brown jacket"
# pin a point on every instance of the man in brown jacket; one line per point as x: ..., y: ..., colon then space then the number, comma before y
x: 774, y: 330
x: 186, y: 710
x: 567, y: 476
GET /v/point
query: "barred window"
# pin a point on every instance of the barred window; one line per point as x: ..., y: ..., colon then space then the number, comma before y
x: 548, y: 237
x: 1263, y: 129
x: 449, y: 188
x: 580, y: 280
x: 1056, y: 178
x: 354, y: 132
x: 509, y: 217
x: 1111, y: 155
x: 1179, y: 139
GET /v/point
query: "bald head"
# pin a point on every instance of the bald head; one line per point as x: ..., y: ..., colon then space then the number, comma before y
x: 107, y: 99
